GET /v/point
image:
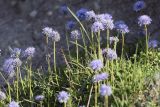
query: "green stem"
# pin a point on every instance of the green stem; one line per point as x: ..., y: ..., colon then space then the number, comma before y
x: 108, y: 41
x: 145, y: 27
x: 122, y: 45
x: 30, y: 80
x: 17, y: 75
x: 90, y: 94
x: 106, y: 101
x: 54, y: 57
x: 77, y: 50
x: 95, y: 97
x: 99, y: 46
x: 65, y: 105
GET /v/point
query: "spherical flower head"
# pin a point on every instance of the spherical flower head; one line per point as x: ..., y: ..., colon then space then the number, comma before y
x: 81, y: 14
x: 13, y: 104
x: 63, y: 9
x: 97, y: 27
x: 96, y: 64
x: 117, y: 23
x: 17, y: 62
x: 101, y: 17
x: 100, y: 77
x: 70, y: 25
x: 55, y: 36
x: 122, y: 28
x: 29, y: 52
x: 144, y: 20
x: 105, y: 90
x: 63, y: 97
x: 113, y: 40
x: 8, y: 67
x: 111, y: 54
x: 75, y: 34
x: 2, y: 95
x: 90, y: 15
x: 39, y: 97
x: 47, y: 31
x: 108, y: 24
x: 139, y: 5
x: 153, y: 44
x: 15, y: 52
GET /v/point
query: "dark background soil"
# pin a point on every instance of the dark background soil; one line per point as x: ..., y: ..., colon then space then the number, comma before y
x: 21, y: 21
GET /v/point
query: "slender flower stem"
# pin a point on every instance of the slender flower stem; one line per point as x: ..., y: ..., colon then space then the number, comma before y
x: 90, y: 94
x: 65, y: 105
x: 54, y: 57
x: 108, y: 41
x: 30, y: 80
x: 99, y: 47
x: 96, y: 95
x: 106, y: 101
x: 17, y: 75
x: 146, y: 32
x: 112, y: 73
x: 122, y: 45
x: 77, y: 50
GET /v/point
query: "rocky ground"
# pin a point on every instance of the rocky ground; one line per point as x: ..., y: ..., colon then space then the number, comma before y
x: 21, y: 21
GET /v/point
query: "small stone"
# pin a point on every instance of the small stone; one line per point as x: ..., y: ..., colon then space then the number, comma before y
x: 33, y: 14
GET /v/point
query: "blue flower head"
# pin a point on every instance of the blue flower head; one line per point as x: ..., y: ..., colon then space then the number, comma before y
x: 105, y: 90
x: 144, y: 20
x: 96, y: 64
x: 122, y: 28
x: 13, y: 104
x: 39, y: 97
x: 75, y: 34
x: 63, y: 97
x: 70, y: 25
x: 153, y: 44
x: 63, y: 9
x: 90, y: 15
x: 81, y: 14
x: 97, y: 26
x: 108, y: 24
x: 139, y: 5
x: 100, y: 77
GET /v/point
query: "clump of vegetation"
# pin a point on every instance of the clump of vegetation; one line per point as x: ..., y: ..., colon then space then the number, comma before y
x: 94, y: 75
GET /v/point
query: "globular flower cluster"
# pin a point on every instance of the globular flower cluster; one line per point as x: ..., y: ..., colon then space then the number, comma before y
x: 97, y: 27
x: 105, y: 90
x: 2, y: 96
x: 13, y: 104
x: 70, y: 25
x: 106, y: 20
x: 29, y: 52
x: 50, y: 33
x: 139, y: 5
x: 108, y: 24
x: 63, y: 97
x: 113, y: 40
x: 90, y: 15
x: 39, y: 97
x: 144, y: 20
x: 153, y: 44
x: 122, y: 28
x: 81, y: 14
x: 96, y: 64
x: 10, y: 65
x: 15, y: 52
x: 63, y: 9
x: 110, y: 54
x: 102, y: 17
x: 100, y: 77
x: 75, y: 34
